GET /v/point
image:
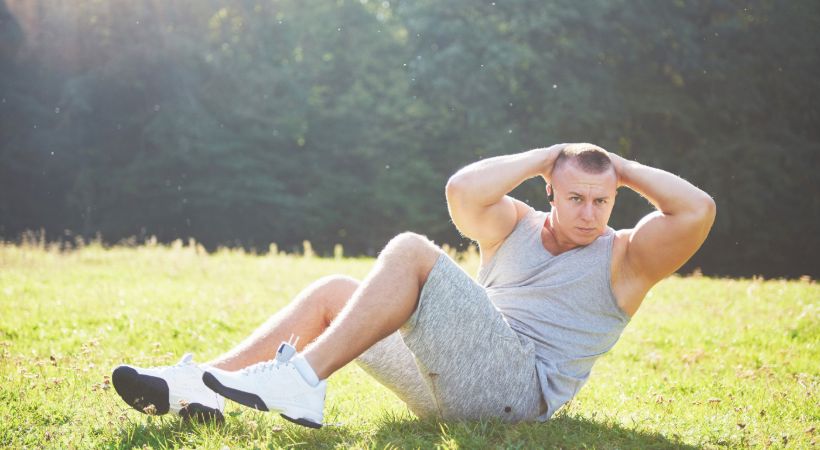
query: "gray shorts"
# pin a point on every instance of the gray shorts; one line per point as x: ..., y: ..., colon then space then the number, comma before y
x: 456, y: 358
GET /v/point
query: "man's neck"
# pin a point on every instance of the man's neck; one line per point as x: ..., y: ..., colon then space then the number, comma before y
x: 553, y: 240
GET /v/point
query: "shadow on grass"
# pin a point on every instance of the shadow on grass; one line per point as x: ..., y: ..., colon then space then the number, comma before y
x: 390, y: 431
x: 562, y: 431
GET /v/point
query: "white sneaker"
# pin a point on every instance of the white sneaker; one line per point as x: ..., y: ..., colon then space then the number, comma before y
x: 274, y: 385
x: 177, y: 389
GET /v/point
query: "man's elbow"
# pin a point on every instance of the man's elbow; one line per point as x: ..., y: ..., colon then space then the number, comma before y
x: 699, y: 213
x: 455, y: 185
x: 706, y: 211
x: 709, y: 207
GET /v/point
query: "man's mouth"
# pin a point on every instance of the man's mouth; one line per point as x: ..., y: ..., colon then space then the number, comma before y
x: 585, y: 230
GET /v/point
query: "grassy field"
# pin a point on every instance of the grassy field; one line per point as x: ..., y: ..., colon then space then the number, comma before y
x: 705, y: 363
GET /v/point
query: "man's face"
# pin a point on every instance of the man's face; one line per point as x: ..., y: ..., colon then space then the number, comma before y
x: 582, y: 202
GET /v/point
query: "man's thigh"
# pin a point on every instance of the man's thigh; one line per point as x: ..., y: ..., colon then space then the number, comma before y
x: 475, y: 364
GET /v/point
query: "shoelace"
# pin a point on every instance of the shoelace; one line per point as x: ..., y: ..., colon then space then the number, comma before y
x: 261, y: 367
x: 283, y: 355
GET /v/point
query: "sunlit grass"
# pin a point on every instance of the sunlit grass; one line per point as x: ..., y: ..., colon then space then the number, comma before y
x: 705, y: 363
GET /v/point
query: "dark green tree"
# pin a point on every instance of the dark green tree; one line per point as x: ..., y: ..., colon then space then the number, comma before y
x: 245, y: 123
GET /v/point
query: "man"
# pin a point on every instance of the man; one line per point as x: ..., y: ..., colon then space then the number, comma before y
x: 554, y: 292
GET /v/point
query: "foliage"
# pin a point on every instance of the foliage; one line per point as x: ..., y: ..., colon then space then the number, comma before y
x: 339, y: 122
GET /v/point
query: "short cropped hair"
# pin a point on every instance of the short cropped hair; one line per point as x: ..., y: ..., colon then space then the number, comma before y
x: 588, y: 157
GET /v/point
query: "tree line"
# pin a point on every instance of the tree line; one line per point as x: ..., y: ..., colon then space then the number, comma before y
x: 251, y: 122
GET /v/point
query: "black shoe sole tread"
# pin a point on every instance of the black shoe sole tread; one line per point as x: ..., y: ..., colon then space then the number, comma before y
x: 140, y: 391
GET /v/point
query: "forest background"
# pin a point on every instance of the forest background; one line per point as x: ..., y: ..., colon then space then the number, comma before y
x: 247, y: 123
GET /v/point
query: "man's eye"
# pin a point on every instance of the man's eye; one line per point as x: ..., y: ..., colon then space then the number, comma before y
x: 575, y: 199
x: 600, y: 201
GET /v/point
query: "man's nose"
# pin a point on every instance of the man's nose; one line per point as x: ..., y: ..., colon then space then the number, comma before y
x: 587, y: 212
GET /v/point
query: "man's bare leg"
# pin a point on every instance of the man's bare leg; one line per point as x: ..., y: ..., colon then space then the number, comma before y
x: 307, y: 316
x: 400, y: 272
x: 364, y: 315
x: 379, y: 306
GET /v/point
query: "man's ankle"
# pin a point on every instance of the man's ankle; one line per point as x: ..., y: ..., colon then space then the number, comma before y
x: 304, y: 368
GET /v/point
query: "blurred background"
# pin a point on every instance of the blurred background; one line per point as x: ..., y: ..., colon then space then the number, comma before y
x: 245, y: 123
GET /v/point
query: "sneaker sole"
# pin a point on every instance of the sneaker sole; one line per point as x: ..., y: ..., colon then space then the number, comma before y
x: 302, y: 422
x: 250, y: 400
x: 140, y: 391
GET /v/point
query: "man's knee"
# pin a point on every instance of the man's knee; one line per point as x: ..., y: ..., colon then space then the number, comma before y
x: 411, y: 244
x: 337, y: 283
x: 413, y: 250
x: 329, y: 294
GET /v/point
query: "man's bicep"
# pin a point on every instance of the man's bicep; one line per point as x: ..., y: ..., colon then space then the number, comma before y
x: 660, y: 244
x: 486, y: 224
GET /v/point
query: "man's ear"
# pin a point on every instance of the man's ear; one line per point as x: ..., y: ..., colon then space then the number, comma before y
x: 550, y: 195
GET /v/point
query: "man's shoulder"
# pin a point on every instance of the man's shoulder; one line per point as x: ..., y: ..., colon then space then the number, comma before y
x: 523, y: 212
x: 526, y: 214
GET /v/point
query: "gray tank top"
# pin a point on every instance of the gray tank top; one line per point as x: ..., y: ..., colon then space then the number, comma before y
x: 564, y: 304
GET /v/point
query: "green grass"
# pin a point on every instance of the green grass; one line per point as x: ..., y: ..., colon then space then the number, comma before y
x: 705, y: 363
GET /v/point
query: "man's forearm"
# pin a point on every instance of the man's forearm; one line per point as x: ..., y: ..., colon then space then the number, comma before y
x: 669, y: 193
x: 486, y: 182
